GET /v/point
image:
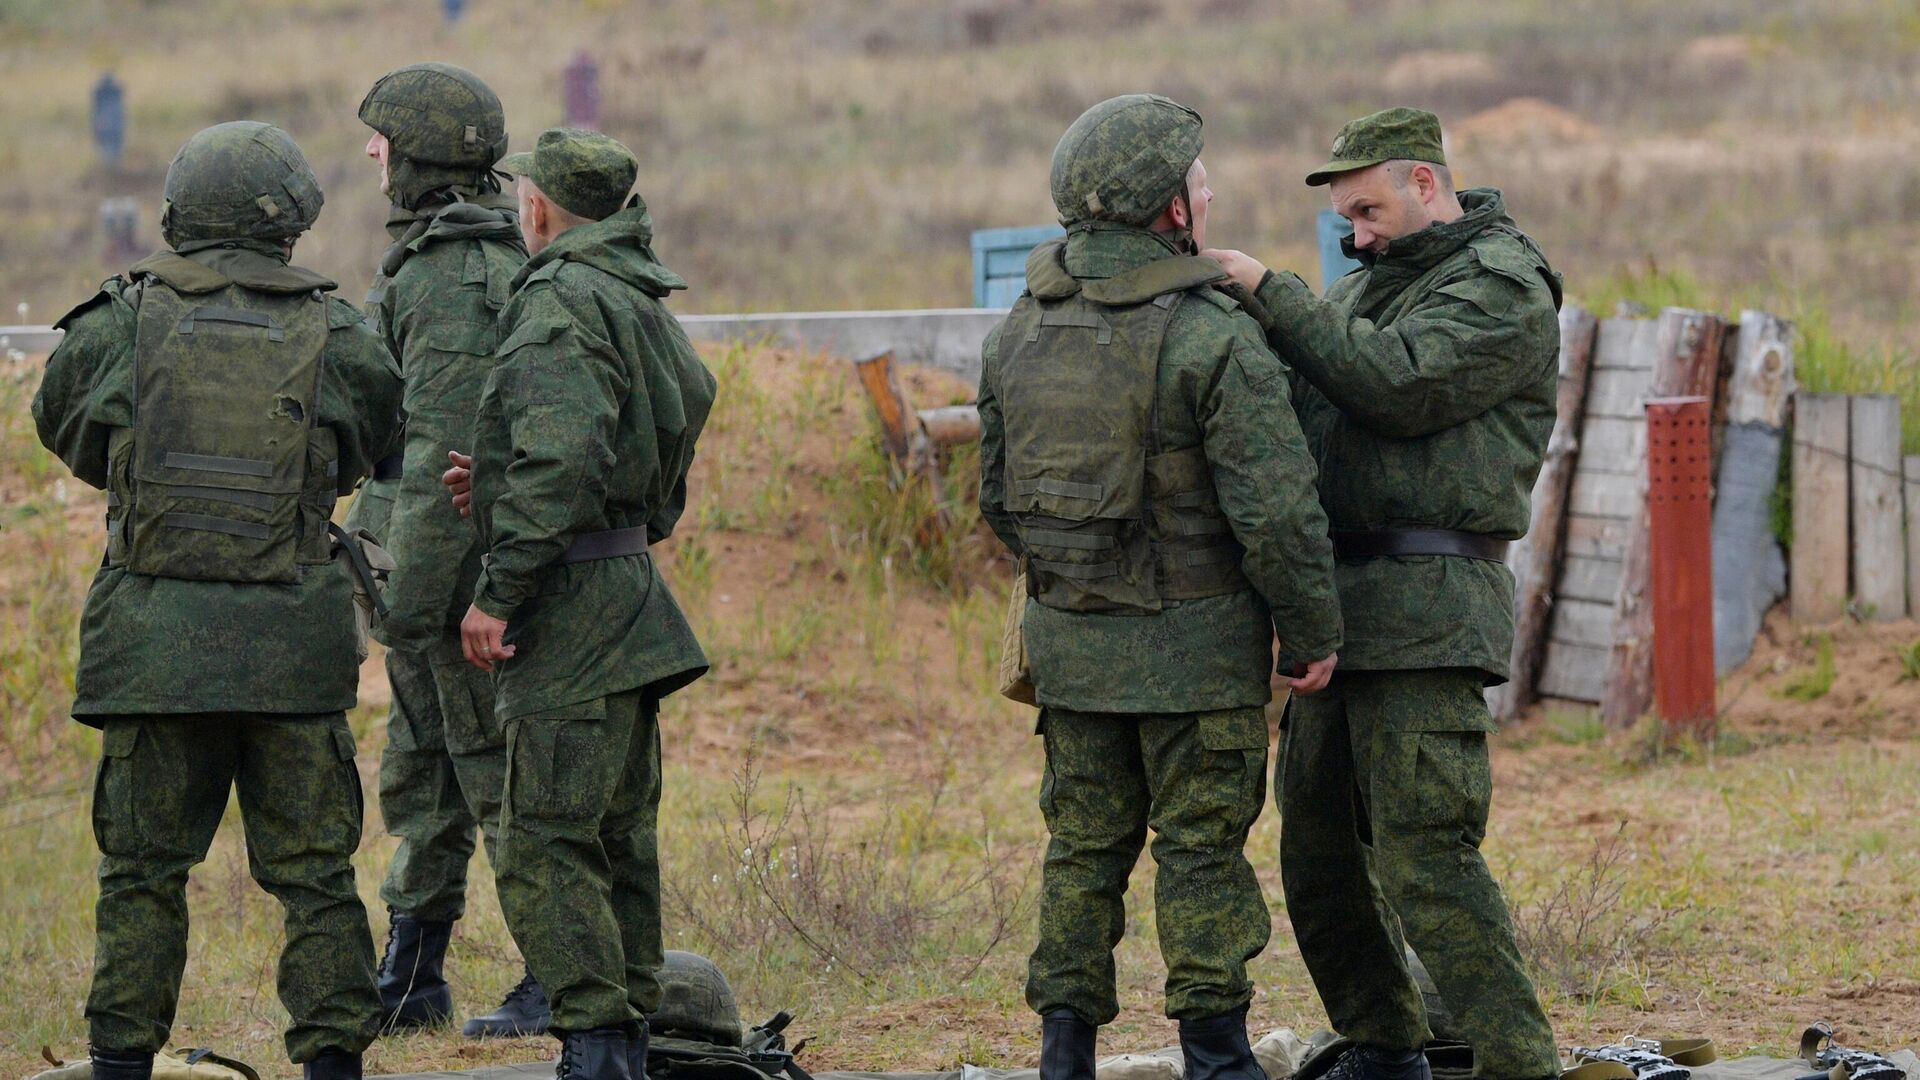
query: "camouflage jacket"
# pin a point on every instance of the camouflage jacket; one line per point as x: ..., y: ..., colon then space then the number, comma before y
x: 167, y: 645
x: 1425, y: 383
x: 440, y: 288
x: 1221, y: 388
x: 587, y: 423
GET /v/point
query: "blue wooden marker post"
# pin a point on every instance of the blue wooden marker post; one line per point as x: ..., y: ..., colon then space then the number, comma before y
x: 453, y: 9
x: 1334, y: 263
x: 1000, y: 262
x: 109, y: 117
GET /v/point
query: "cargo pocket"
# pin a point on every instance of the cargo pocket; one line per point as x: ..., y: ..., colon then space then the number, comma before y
x: 1236, y: 740
x: 468, y: 722
x: 1452, y: 783
x: 115, y: 826
x: 558, y: 769
x: 345, y: 749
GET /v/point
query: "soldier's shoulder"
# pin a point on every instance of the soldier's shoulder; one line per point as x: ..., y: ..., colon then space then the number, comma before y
x: 104, y: 321
x: 1510, y: 254
x: 1207, y: 314
x: 343, y: 316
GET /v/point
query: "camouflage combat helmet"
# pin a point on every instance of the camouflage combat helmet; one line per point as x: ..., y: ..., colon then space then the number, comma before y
x: 444, y: 127
x: 1124, y: 160
x: 695, y: 1002
x: 241, y: 180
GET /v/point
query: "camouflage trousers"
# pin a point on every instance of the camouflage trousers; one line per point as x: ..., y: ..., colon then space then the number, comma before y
x: 579, y: 865
x: 1198, y: 781
x: 443, y: 770
x: 1384, y: 789
x: 159, y: 796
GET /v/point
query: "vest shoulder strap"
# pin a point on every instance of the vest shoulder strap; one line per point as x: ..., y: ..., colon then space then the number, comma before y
x: 1176, y: 273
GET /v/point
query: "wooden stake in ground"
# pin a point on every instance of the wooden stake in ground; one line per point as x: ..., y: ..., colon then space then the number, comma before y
x: 902, y: 432
x: 1818, y: 579
x: 1536, y: 557
x: 1879, y: 518
x: 1750, y: 569
x: 1687, y: 365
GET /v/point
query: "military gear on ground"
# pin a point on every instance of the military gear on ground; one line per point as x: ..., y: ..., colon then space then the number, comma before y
x: 1836, y: 1062
x: 762, y: 1053
x: 241, y: 180
x: 120, y: 1065
x: 332, y: 1065
x: 1650, y: 1059
x: 1439, y: 1017
x: 524, y: 1011
x: 413, y: 988
x: 1425, y: 383
x: 186, y: 1064
x: 695, y: 1001
x: 168, y: 644
x: 1197, y: 780
x: 1216, y: 1048
x: 1066, y: 1046
x: 444, y: 129
x: 583, y: 172
x: 161, y: 790
x: 1398, y: 134
x: 1124, y: 160
x: 1230, y: 472
x: 595, y: 1054
x: 1384, y: 790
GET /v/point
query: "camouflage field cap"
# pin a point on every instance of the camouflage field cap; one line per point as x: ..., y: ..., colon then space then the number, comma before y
x: 585, y: 172
x: 1397, y: 134
x: 1124, y: 160
x: 242, y: 180
x: 438, y: 114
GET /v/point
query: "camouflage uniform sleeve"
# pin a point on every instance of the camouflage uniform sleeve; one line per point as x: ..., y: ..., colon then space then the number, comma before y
x: 1471, y: 344
x: 993, y: 449
x: 1265, y: 476
x: 559, y: 383
x: 87, y: 389
x: 360, y: 393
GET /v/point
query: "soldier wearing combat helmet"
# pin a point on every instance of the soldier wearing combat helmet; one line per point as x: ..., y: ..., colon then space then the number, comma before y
x: 1141, y: 456
x: 438, y: 130
x: 224, y: 402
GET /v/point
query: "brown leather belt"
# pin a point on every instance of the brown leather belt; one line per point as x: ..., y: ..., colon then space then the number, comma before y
x: 607, y: 544
x: 1389, y: 542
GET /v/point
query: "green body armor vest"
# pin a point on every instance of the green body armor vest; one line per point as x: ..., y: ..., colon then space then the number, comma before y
x: 223, y: 476
x: 1113, y: 522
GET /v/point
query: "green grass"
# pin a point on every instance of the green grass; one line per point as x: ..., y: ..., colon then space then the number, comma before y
x: 1814, y: 683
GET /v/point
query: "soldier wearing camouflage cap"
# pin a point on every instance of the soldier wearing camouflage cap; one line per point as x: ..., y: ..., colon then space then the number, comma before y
x: 438, y: 130
x: 1140, y: 455
x: 584, y: 436
x: 224, y: 402
x: 1426, y: 383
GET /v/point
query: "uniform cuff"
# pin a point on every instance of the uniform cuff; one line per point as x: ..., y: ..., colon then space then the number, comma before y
x: 485, y: 601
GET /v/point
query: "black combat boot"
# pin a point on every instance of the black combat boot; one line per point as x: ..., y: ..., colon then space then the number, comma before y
x: 594, y: 1054
x: 121, y: 1064
x: 1372, y: 1063
x: 524, y: 1012
x: 1216, y: 1048
x: 332, y: 1064
x: 1066, y: 1046
x: 637, y: 1052
x: 413, y: 992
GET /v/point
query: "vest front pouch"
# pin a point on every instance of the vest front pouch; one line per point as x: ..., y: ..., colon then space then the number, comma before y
x: 225, y: 389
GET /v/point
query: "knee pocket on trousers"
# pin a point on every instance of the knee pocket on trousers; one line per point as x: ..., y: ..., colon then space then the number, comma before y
x: 1236, y: 741
x: 1444, y: 783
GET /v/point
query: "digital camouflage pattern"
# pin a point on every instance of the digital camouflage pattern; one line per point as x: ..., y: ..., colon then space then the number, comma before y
x: 1398, y: 134
x: 1124, y: 160
x: 579, y: 864
x: 1384, y: 790
x: 583, y: 171
x: 445, y: 128
x: 1425, y: 383
x: 1198, y: 781
x: 238, y: 180
x: 161, y: 790
x: 587, y: 423
x: 1219, y: 388
x: 167, y: 645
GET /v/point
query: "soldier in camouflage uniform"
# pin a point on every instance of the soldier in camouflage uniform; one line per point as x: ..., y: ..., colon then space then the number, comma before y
x: 1425, y: 382
x: 224, y: 402
x: 438, y: 130
x: 1141, y: 456
x: 582, y: 445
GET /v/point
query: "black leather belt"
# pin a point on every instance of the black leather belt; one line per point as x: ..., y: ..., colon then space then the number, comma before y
x: 388, y: 468
x: 608, y: 544
x: 1466, y: 545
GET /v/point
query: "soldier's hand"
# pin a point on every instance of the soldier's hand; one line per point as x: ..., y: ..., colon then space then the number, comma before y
x: 1240, y: 266
x: 459, y: 481
x: 480, y: 638
x: 1312, y: 678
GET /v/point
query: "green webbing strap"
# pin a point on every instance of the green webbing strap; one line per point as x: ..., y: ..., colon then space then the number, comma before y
x: 1066, y: 489
x: 1212, y: 555
x: 362, y: 570
x: 1598, y: 1070
x: 1210, y: 527
x: 1076, y: 571
x: 241, y: 316
x: 173, y: 459
x: 1812, y: 1039
x: 210, y: 523
x: 196, y: 1056
x: 1085, y: 320
x: 255, y: 499
x: 1691, y: 1053
x: 1076, y: 541
x: 1188, y: 500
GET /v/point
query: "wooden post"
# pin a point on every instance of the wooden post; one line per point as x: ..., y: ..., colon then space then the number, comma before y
x: 1913, y: 532
x: 1687, y: 365
x: 902, y: 433
x: 1750, y: 569
x: 1879, y: 519
x: 1680, y: 542
x: 1821, y: 506
x: 1535, y: 560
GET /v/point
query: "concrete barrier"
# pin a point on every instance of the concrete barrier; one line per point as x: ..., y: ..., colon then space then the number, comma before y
x: 28, y: 339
